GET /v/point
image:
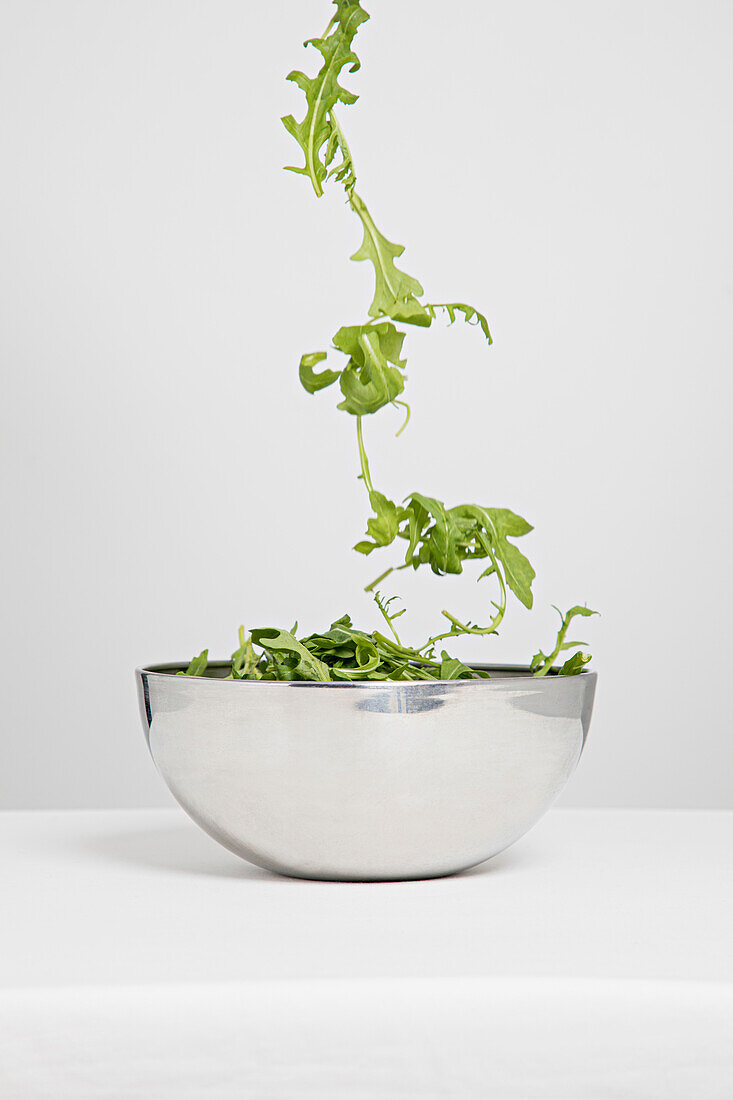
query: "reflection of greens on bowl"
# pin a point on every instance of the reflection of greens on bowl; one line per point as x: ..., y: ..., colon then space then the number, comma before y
x: 370, y: 376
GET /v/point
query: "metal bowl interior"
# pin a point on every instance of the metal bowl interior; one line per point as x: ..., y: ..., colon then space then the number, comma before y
x: 365, y: 781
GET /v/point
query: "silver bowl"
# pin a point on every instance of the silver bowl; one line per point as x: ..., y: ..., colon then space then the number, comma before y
x: 365, y: 781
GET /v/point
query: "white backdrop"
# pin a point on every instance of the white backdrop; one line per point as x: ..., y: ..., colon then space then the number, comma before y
x: 565, y: 166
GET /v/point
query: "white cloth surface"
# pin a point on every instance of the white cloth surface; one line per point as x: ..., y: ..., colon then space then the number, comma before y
x: 591, y: 961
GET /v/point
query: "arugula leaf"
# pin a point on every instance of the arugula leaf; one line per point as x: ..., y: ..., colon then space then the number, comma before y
x: 282, y: 643
x: 245, y: 660
x: 470, y: 315
x: 383, y: 336
x: 503, y: 524
x: 453, y: 669
x: 338, y: 635
x: 456, y: 535
x: 344, y: 172
x: 498, y: 525
x: 383, y: 528
x: 577, y: 610
x: 368, y: 381
x: 396, y: 294
x: 198, y: 665
x: 441, y: 543
x: 574, y: 664
x: 311, y: 381
x: 366, y: 660
x: 323, y: 91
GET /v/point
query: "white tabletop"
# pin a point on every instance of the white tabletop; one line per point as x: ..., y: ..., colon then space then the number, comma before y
x: 592, y: 959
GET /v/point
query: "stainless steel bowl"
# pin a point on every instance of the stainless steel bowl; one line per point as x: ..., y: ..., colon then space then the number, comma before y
x: 366, y: 781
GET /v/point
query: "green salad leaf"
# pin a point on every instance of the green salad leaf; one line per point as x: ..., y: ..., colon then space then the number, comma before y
x: 396, y: 294
x: 323, y: 92
x: 470, y: 315
x: 198, y: 665
x: 312, y: 381
x: 373, y: 375
x: 289, y: 658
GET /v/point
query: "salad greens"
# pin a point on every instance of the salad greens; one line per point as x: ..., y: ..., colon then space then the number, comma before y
x: 370, y: 376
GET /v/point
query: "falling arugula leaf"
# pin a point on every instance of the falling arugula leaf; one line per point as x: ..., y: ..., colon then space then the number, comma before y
x: 470, y: 315
x: 441, y: 542
x: 312, y: 381
x: 502, y: 524
x: 396, y: 294
x: 372, y: 377
x: 323, y: 91
x: 384, y: 526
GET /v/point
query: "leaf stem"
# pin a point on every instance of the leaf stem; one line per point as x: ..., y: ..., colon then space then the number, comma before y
x: 312, y: 134
x: 548, y: 662
x: 364, y: 461
x: 383, y: 606
x: 392, y: 569
x: 457, y: 627
x: 502, y: 584
x: 407, y: 417
x: 412, y: 655
x: 386, y: 573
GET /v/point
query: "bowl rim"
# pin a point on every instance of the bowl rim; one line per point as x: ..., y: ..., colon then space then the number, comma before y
x: 516, y: 674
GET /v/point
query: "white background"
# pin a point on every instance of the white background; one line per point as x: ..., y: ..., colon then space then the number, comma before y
x: 565, y: 166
